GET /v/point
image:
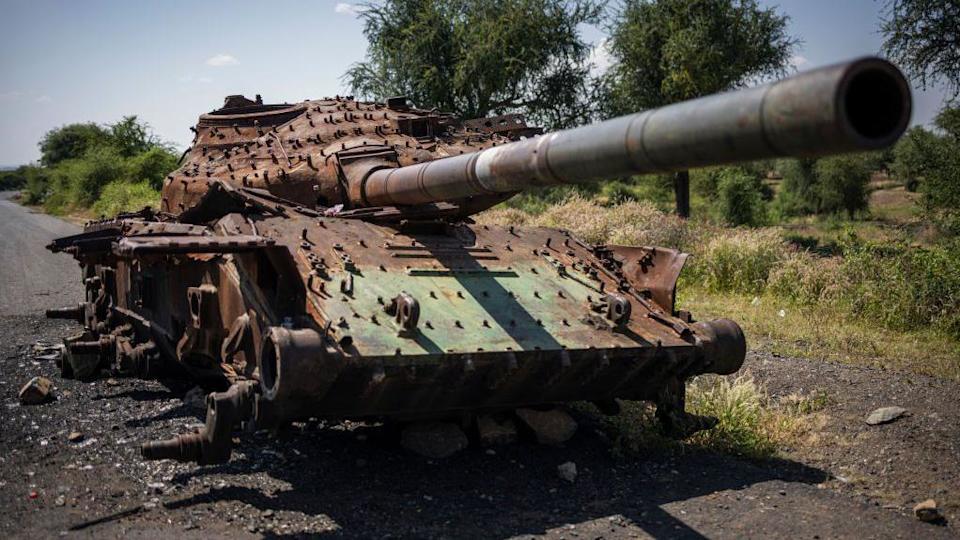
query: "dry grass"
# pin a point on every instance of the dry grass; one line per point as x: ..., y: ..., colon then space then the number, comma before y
x: 825, y: 332
x: 751, y: 424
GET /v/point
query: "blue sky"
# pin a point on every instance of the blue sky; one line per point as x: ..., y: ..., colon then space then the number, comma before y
x: 70, y: 61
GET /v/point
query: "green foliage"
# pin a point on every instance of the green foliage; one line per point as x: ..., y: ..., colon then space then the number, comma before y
x: 85, y: 158
x: 665, y: 51
x: 122, y: 196
x: 941, y: 188
x: 480, y: 57
x: 948, y: 119
x: 739, y: 195
x: 152, y: 166
x: 922, y: 37
x: 798, y: 192
x: 14, y: 179
x: 843, y: 184
x: 913, y: 155
x: 904, y: 287
x: 131, y: 137
x: 830, y: 185
x: 86, y: 177
x: 72, y: 141
x: 36, y: 185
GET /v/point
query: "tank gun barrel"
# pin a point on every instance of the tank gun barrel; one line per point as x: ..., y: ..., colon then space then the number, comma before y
x: 854, y: 106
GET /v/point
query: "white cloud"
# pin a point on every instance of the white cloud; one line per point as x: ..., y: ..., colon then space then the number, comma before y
x: 600, y: 59
x: 205, y: 80
x: 344, y: 8
x: 12, y: 95
x: 797, y: 60
x: 222, y: 60
x: 44, y: 99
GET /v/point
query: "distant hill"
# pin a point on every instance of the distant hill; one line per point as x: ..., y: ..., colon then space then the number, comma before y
x: 8, y: 167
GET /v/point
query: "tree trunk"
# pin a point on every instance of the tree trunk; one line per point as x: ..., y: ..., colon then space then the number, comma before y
x: 681, y: 189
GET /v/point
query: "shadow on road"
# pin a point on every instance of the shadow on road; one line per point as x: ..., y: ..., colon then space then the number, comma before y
x: 371, y: 488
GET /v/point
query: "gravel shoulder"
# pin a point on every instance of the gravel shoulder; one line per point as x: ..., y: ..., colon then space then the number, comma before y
x: 847, y: 480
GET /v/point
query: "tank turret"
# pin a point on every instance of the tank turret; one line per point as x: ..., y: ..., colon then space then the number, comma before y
x: 341, y: 151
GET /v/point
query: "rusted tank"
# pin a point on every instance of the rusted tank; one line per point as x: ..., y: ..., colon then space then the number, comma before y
x: 318, y: 260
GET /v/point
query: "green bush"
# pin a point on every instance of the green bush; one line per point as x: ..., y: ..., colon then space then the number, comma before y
x: 71, y: 141
x: 798, y: 192
x: 36, y: 185
x: 81, y: 160
x: 740, y: 198
x: 842, y: 184
x: 152, y: 166
x: 16, y: 178
x: 126, y: 197
x: 88, y: 176
x: 738, y: 261
x: 941, y: 185
x: 912, y: 156
x: 904, y: 287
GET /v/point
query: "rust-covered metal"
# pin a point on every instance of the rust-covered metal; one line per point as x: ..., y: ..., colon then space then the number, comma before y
x: 317, y: 260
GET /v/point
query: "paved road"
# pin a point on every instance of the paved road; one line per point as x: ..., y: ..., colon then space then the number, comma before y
x: 31, y: 278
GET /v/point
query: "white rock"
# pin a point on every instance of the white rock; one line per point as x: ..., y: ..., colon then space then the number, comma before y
x: 885, y: 414
x: 567, y: 471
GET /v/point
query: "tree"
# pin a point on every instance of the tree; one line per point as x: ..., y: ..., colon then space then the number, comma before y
x: 71, y: 141
x: 475, y: 58
x: 923, y: 37
x: 913, y: 155
x: 131, y: 137
x: 664, y: 51
x: 740, y: 197
x: 948, y: 119
x: 842, y: 183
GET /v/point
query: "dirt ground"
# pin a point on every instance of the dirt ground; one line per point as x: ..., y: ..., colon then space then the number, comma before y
x: 847, y: 479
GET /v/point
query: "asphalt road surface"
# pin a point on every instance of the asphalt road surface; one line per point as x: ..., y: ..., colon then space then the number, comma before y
x: 351, y: 480
x: 31, y: 278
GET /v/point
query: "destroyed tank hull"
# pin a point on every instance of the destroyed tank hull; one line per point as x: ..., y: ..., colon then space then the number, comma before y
x: 318, y: 261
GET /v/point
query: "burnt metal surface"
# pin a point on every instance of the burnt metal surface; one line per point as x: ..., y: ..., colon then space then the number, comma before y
x: 317, y: 260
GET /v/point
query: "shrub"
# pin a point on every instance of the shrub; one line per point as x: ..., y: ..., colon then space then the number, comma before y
x: 739, y: 261
x: 804, y: 278
x: 152, y: 166
x: 941, y: 188
x: 740, y: 198
x: 122, y: 196
x: 87, y: 177
x: 71, y: 141
x: 912, y: 156
x: 904, y: 287
x: 13, y: 179
x: 842, y: 184
x: 36, y: 185
x: 798, y: 193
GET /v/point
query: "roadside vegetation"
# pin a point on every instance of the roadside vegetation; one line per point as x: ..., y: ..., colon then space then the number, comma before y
x: 92, y: 170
